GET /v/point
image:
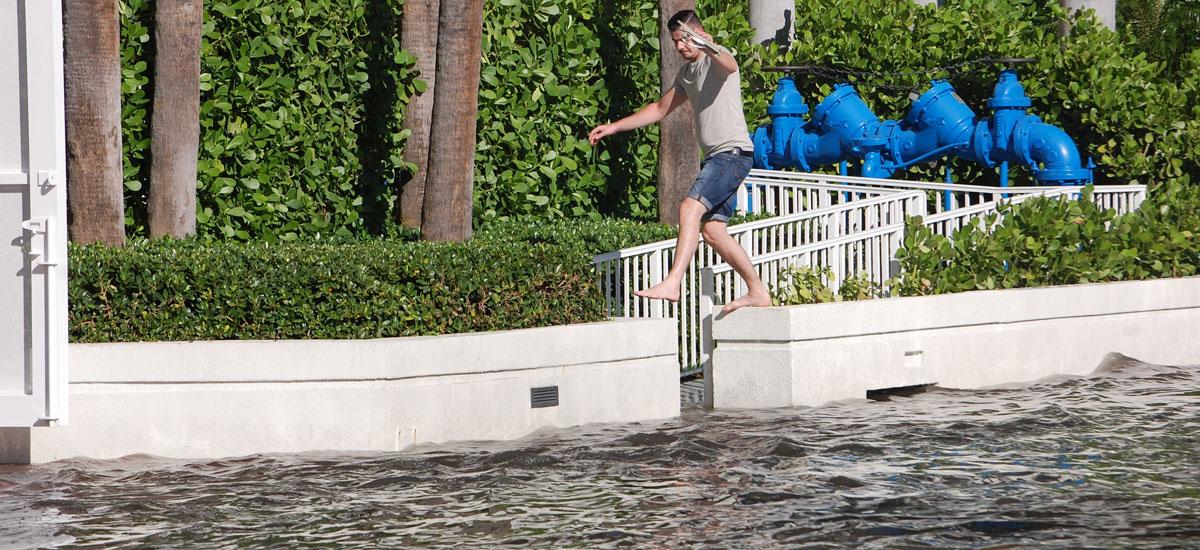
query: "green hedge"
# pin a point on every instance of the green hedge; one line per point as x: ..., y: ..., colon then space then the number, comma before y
x: 302, y: 100
x: 514, y: 275
x: 190, y: 291
x: 1046, y: 241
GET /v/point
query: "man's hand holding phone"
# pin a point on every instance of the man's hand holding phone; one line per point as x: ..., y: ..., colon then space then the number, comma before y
x: 700, y: 39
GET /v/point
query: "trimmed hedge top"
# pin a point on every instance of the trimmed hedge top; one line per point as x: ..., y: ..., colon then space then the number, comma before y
x: 515, y: 275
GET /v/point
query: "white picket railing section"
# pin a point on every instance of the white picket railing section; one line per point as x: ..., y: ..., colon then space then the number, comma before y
x: 869, y: 252
x: 850, y: 224
x: 778, y: 192
x: 949, y: 221
x: 1123, y: 199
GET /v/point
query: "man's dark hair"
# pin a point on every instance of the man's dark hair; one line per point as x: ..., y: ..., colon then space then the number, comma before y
x: 683, y: 17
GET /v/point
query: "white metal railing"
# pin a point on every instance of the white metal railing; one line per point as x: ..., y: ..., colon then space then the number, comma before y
x: 772, y: 188
x: 947, y: 222
x: 869, y: 252
x: 1122, y: 198
x: 765, y: 191
x: 622, y: 271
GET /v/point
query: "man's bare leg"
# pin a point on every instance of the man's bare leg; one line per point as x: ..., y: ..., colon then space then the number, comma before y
x: 690, y: 212
x: 716, y: 234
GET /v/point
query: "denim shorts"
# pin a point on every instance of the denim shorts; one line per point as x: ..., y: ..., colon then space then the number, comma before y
x: 716, y: 186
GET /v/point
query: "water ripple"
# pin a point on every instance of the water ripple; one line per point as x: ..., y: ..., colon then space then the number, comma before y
x: 1107, y: 460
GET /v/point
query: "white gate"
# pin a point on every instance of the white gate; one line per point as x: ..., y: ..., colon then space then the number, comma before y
x: 33, y: 216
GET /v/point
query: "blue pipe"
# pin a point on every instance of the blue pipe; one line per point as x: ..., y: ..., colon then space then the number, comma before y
x: 947, y: 196
x: 843, y: 128
x: 1004, y: 177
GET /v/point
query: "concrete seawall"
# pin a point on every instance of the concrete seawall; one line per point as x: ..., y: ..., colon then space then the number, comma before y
x: 228, y: 398
x: 812, y: 354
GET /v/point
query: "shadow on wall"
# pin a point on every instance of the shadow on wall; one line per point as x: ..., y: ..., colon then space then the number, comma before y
x: 784, y: 34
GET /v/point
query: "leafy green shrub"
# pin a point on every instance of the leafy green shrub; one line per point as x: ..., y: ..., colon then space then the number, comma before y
x: 1046, y: 241
x: 808, y: 285
x: 551, y: 71
x: 1164, y: 28
x: 302, y: 99
x: 137, y: 20
x: 859, y: 287
x: 300, y: 108
x: 803, y: 285
x: 187, y: 290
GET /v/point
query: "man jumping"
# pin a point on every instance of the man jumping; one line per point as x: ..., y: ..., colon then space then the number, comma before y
x: 711, y: 81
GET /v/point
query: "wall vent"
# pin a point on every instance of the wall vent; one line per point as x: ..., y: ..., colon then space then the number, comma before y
x: 543, y: 397
x: 901, y: 391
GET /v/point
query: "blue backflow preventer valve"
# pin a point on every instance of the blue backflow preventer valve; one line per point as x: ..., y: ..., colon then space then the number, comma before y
x: 940, y: 124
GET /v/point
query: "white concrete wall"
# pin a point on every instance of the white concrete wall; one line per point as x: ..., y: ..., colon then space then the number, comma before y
x: 809, y: 355
x: 213, y: 399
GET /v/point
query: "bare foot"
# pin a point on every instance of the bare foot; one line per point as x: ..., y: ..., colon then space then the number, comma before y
x: 661, y: 291
x: 749, y: 300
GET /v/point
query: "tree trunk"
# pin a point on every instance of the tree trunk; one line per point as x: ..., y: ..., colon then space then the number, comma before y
x: 774, y: 21
x: 175, y: 126
x: 92, y: 75
x: 678, y: 152
x: 448, y: 202
x: 419, y: 36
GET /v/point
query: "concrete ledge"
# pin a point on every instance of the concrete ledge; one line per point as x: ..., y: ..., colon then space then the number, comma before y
x: 374, y: 359
x: 213, y: 399
x: 967, y: 340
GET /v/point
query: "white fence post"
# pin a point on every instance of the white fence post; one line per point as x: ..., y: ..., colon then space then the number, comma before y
x: 656, y: 276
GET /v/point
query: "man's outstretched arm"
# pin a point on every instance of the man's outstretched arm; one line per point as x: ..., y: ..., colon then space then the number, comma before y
x: 650, y: 114
x: 723, y: 59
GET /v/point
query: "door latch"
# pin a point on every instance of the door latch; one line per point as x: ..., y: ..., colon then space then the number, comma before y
x: 41, y: 254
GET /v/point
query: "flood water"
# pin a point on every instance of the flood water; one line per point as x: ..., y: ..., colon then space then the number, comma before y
x: 1108, y: 460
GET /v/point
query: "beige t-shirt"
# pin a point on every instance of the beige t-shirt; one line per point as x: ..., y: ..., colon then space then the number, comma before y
x: 716, y: 105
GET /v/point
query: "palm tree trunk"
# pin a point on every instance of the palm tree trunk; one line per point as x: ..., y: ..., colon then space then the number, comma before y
x: 92, y: 75
x: 419, y: 36
x: 678, y: 153
x: 175, y: 126
x: 448, y: 201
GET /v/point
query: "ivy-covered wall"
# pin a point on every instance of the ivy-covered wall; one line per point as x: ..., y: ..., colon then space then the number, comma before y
x: 302, y: 100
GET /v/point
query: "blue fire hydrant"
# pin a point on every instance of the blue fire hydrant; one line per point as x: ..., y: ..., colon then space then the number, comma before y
x: 940, y: 124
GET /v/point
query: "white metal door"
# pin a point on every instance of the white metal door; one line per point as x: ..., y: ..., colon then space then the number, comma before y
x: 33, y: 216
